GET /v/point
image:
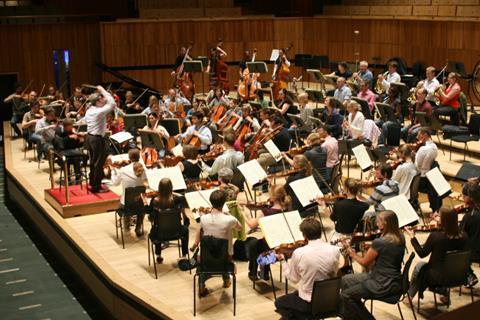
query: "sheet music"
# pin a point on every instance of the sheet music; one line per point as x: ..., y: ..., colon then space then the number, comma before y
x: 177, y: 150
x: 438, y: 181
x: 119, y: 157
x: 252, y: 171
x: 197, y: 199
x: 402, y: 208
x: 306, y: 190
x: 273, y: 150
x: 293, y: 220
x: 275, y: 229
x: 362, y: 156
x: 274, y: 55
x: 121, y: 136
x: 173, y: 173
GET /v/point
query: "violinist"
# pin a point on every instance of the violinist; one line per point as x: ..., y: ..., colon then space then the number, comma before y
x: 385, y: 279
x: 113, y: 125
x: 68, y: 143
x: 134, y: 107
x: 28, y: 124
x: 230, y: 158
x: 470, y: 224
x: 78, y: 95
x: 278, y: 202
x: 165, y: 200
x: 314, y: 262
x: 387, y: 189
x: 450, y: 238
x: 348, y: 212
x: 331, y: 116
x: 190, y: 166
x: 303, y: 169
x: 286, y: 106
x: 45, y: 129
x: 282, y: 140
x: 406, y: 171
x: 421, y: 105
x: 218, y: 99
x: 18, y: 109
x: 199, y: 130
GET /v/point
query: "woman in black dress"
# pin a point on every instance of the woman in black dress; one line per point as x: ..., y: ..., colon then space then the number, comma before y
x: 190, y: 166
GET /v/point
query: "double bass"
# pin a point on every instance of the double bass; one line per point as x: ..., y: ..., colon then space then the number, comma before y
x: 248, y: 83
x: 280, y: 78
x: 184, y: 80
x: 220, y: 68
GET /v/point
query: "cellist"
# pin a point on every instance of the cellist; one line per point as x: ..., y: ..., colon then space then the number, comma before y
x: 182, y: 55
x: 197, y: 131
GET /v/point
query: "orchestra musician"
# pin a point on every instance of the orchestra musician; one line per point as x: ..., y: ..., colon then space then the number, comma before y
x: 366, y: 94
x: 260, y: 98
x: 342, y: 92
x: 331, y: 116
x: 78, y: 95
x: 387, y: 188
x: 19, y: 107
x: 199, y: 130
x: 230, y: 158
x: 356, y: 120
x: 176, y: 99
x: 306, y: 111
x: 449, y: 100
x: 282, y: 140
x: 391, y: 76
x: 218, y: 99
x: 342, y: 71
x: 330, y: 145
x: 424, y: 160
x: 278, y: 202
x: 286, y: 106
x: 182, y: 55
x: 348, y: 212
x: 363, y: 75
x: 190, y: 165
x: 29, y: 121
x: 129, y: 176
x: 68, y: 143
x: 385, y: 279
x: 470, y: 224
x: 302, y: 169
x: 406, y: 171
x: 45, y: 129
x: 282, y: 59
x: 421, y: 105
x: 450, y: 238
x: 131, y: 106
x: 220, y: 225
x: 393, y: 99
x: 430, y: 84
x: 315, y: 261
x: 102, y: 103
x: 164, y: 200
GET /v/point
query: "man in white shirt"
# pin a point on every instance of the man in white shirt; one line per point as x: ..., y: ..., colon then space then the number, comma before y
x: 217, y: 224
x: 315, y: 261
x: 199, y: 130
x: 102, y: 103
x: 176, y: 99
x: 228, y: 159
x: 45, y: 130
x: 424, y: 160
x: 343, y: 92
x: 430, y: 84
x: 391, y: 76
x: 406, y: 171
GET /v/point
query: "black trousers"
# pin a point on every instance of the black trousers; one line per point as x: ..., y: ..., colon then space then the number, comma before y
x: 433, y: 198
x: 183, y: 241
x: 96, y: 146
x: 291, y: 306
x: 254, y: 247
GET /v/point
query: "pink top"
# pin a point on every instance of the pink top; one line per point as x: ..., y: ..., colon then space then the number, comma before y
x: 331, y: 146
x: 369, y: 96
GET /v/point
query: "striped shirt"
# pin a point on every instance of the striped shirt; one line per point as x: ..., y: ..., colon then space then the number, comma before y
x: 388, y: 189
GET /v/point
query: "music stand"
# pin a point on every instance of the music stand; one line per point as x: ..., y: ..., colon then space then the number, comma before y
x: 365, y: 107
x: 318, y: 76
x: 172, y: 125
x: 151, y: 140
x: 320, y: 62
x: 316, y: 96
x: 303, y: 61
x: 194, y: 66
x: 80, y: 127
x: 298, y: 124
x: 256, y: 105
x: 133, y: 122
x: 257, y: 67
x: 402, y: 88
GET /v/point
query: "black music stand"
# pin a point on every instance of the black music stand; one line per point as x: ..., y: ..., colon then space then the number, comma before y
x: 318, y: 77
x: 133, y: 122
x: 304, y: 61
x: 194, y: 66
x: 204, y: 60
x: 172, y: 125
x: 298, y: 124
x: 257, y: 67
x: 320, y: 62
x: 151, y: 140
x: 316, y: 96
x: 385, y: 111
x: 80, y: 127
x: 421, y: 117
x: 345, y: 147
x: 365, y: 107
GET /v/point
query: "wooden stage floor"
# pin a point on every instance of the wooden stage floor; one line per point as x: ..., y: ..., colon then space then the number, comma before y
x: 172, y: 293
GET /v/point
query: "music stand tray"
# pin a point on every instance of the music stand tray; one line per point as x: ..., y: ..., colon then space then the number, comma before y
x: 257, y: 67
x: 134, y: 121
x: 193, y: 66
x: 317, y: 75
x: 315, y: 95
x: 296, y: 120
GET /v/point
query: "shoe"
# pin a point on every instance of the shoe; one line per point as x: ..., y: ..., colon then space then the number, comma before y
x: 203, y: 292
x: 472, y: 280
x: 159, y: 259
x: 99, y: 190
x: 444, y: 300
x: 227, y: 283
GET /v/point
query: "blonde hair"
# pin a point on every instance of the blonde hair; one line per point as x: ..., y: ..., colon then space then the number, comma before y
x: 134, y: 156
x: 313, y: 139
x: 391, y: 231
x: 277, y: 193
x: 303, y: 163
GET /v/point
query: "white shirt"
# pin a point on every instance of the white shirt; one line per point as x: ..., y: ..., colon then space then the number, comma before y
x: 431, y: 86
x: 317, y: 260
x: 219, y: 225
x: 159, y: 128
x: 126, y: 176
x: 356, y: 124
x: 228, y: 159
x: 204, y: 134
x: 343, y: 94
x: 95, y: 117
x: 371, y: 131
x: 425, y: 157
x: 391, y: 77
x: 178, y: 101
x: 404, y: 175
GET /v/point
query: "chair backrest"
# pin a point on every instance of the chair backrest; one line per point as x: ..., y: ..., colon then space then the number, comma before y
x: 133, y: 201
x: 414, y: 187
x: 455, y: 268
x: 326, y: 298
x: 406, y: 270
x: 213, y: 255
x: 167, y: 223
x: 474, y: 124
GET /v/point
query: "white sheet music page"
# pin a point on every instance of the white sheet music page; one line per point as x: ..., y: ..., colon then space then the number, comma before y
x: 173, y: 173
x: 293, y: 220
x: 438, y: 181
x: 275, y: 230
x: 121, y: 136
x: 362, y: 156
x: 177, y: 150
x: 273, y: 150
x: 120, y: 157
x: 306, y: 190
x: 274, y: 55
x: 402, y: 208
x: 197, y: 199
x: 252, y: 171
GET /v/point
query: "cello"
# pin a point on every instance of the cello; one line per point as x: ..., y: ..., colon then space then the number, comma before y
x: 248, y: 82
x: 280, y: 78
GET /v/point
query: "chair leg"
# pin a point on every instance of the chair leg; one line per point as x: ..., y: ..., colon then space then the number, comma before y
x: 435, y: 299
x: 116, y: 224
x: 471, y: 293
x: 273, y: 285
x: 154, y: 262
x: 418, y: 303
x: 465, y: 150
x: 194, y: 295
x: 450, y: 149
x: 179, y: 252
x: 371, y: 306
x: 234, y: 294
x: 411, y: 306
x: 281, y: 269
x: 188, y: 257
x: 121, y: 232
x: 448, y: 298
x: 460, y: 291
x: 400, y: 310
x: 148, y: 248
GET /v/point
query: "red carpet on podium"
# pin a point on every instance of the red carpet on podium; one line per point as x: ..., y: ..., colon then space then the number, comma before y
x: 80, y: 196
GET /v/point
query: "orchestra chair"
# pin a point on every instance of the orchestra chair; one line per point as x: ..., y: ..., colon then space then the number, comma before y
x: 214, y: 261
x: 414, y: 190
x: 455, y: 266
x: 459, y: 134
x: 326, y: 299
x: 166, y: 226
x: 404, y: 294
x: 133, y: 207
x: 25, y: 148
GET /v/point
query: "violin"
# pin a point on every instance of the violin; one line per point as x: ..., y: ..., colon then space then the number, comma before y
x: 202, y: 210
x: 394, y: 164
x: 120, y: 164
x: 255, y: 206
x: 299, y: 150
x: 426, y: 228
x: 357, y: 237
x: 287, y: 248
x: 370, y: 184
x: 262, y: 136
x: 284, y: 173
x: 203, y: 184
x: 461, y: 208
x: 331, y: 197
x: 215, y: 150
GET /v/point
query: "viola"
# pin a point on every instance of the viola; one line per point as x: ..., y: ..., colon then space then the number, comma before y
x: 287, y: 248
x: 172, y: 161
x: 331, y: 197
x: 357, y: 237
x: 394, y: 164
x: 284, y: 173
x: 462, y: 208
x: 120, y: 164
x: 426, y: 228
x: 370, y: 184
x: 202, y: 210
x: 203, y: 184
x: 255, y: 206
x: 299, y: 150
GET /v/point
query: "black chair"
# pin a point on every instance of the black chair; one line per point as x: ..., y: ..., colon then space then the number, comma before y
x: 166, y: 226
x: 455, y: 267
x: 326, y: 298
x: 66, y: 158
x: 404, y: 294
x: 214, y: 261
x: 473, y: 134
x: 133, y: 207
x: 414, y: 190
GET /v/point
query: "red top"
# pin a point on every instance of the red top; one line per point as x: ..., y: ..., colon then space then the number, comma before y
x: 452, y: 94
